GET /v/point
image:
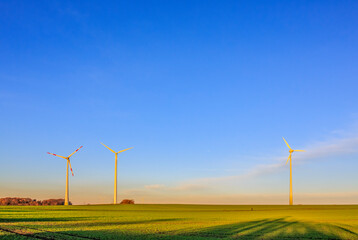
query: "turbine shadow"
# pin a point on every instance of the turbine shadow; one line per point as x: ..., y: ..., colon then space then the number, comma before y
x: 272, y: 229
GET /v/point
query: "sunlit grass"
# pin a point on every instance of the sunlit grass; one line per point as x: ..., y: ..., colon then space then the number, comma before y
x: 179, y: 222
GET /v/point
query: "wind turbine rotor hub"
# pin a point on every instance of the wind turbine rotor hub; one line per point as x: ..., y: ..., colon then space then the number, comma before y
x: 291, y: 150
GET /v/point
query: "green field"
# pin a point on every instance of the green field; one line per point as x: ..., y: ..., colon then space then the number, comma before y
x: 178, y: 222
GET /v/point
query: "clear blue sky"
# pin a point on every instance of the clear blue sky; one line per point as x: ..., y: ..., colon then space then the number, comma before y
x: 203, y: 91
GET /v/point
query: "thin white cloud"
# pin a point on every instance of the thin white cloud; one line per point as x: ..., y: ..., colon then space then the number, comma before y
x: 178, y: 188
x: 154, y: 186
x: 318, y: 150
x: 314, y: 151
x: 333, y: 147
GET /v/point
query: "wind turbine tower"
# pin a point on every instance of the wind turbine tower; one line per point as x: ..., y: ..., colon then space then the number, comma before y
x: 68, y: 165
x: 290, y: 158
x: 115, y: 172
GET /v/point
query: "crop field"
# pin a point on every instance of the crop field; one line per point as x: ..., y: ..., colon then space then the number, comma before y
x: 178, y: 222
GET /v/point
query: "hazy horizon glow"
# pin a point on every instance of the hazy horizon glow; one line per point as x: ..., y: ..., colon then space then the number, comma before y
x: 204, y: 92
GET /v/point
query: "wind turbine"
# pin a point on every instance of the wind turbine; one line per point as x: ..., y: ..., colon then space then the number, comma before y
x: 290, y: 158
x: 115, y: 172
x: 68, y: 164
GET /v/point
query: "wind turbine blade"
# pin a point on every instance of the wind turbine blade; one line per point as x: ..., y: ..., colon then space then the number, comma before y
x: 70, y: 167
x: 124, y: 150
x: 56, y: 155
x: 289, y: 157
x: 75, y: 151
x: 286, y: 143
x: 108, y: 148
x: 299, y: 150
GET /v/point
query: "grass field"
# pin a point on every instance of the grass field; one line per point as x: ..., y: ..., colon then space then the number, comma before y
x: 178, y: 222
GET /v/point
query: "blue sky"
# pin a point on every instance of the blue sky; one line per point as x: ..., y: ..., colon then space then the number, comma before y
x: 203, y: 91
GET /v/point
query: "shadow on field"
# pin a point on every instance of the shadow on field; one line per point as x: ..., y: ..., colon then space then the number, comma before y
x: 38, y: 232
x: 261, y: 229
x: 40, y: 219
x: 121, y: 222
x: 274, y: 229
x: 85, y: 224
x: 279, y: 228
